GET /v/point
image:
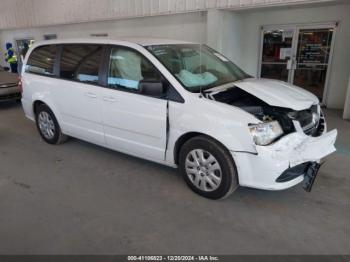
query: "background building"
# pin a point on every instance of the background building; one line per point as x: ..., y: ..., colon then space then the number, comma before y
x: 305, y: 42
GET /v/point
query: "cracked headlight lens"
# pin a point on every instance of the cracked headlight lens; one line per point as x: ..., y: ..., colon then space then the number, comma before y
x: 265, y: 133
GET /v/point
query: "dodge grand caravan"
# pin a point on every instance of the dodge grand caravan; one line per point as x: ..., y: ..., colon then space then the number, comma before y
x: 179, y: 104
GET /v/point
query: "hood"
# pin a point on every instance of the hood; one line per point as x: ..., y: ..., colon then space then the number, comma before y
x: 8, y: 79
x: 278, y: 93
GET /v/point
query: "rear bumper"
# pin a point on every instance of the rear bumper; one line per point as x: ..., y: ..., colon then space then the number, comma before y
x: 283, y: 164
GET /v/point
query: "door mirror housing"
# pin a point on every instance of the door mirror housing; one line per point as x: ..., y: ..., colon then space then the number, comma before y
x: 152, y: 88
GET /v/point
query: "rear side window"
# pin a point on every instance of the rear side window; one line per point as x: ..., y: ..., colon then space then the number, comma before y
x: 42, y: 60
x: 81, y: 62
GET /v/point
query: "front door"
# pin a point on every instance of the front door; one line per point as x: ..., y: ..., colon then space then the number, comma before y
x: 298, y: 55
x: 133, y: 123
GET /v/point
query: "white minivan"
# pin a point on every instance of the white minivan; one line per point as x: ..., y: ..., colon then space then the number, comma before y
x: 180, y: 104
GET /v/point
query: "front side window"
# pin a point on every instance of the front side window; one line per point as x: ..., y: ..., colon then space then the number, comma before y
x: 127, y: 68
x: 42, y: 60
x: 81, y: 62
x: 196, y: 66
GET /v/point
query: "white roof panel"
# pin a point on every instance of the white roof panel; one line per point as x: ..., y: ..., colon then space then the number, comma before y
x: 124, y: 41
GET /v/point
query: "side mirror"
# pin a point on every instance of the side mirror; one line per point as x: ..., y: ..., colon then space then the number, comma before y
x: 151, y: 88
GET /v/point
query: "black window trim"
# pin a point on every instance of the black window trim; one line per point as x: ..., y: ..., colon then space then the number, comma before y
x: 58, y: 61
x: 58, y: 64
x: 54, y: 65
x: 171, y: 95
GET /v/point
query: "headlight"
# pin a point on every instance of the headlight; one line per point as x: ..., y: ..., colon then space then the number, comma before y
x: 265, y: 133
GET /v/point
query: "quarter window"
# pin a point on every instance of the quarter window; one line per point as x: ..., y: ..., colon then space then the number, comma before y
x: 127, y: 68
x: 42, y: 60
x: 81, y: 62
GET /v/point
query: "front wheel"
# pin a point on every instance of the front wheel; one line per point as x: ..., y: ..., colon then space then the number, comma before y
x: 208, y: 168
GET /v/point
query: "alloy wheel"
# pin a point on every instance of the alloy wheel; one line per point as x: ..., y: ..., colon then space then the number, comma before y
x: 203, y: 170
x: 46, y: 125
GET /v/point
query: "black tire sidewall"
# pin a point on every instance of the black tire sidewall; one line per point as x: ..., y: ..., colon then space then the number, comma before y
x: 229, y: 174
x: 55, y: 139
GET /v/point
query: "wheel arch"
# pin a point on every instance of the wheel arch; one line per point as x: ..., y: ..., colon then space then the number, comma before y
x: 58, y: 136
x: 38, y: 102
x: 187, y: 136
x: 36, y: 105
x: 227, y: 157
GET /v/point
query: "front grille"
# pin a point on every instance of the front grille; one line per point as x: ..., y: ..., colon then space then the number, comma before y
x: 305, y: 119
x: 321, y: 126
x: 310, y: 120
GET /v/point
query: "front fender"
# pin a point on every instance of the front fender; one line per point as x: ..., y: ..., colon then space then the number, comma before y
x: 226, y: 124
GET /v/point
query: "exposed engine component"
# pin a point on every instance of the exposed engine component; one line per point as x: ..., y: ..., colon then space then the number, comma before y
x: 311, y: 120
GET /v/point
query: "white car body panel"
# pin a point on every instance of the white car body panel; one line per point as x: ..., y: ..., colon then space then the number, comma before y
x: 278, y: 93
x: 137, y: 125
x: 76, y: 120
x: 299, y: 148
x: 270, y: 161
x: 204, y: 116
x: 134, y: 124
x: 40, y: 91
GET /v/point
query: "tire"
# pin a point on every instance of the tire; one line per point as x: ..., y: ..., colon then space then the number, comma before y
x: 216, y: 162
x: 46, y: 120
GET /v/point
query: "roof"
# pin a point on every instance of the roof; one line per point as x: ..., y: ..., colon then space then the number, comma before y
x: 154, y: 41
x: 127, y: 41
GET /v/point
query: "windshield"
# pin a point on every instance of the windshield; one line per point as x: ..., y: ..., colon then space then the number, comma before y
x: 197, y: 67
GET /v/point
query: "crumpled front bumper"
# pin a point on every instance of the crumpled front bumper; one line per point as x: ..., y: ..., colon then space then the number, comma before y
x: 262, y: 170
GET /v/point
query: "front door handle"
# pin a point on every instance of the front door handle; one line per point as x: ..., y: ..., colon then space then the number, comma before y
x: 109, y: 98
x: 92, y: 95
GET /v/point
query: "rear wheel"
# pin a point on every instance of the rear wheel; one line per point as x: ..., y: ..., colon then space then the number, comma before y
x: 48, y: 126
x: 208, y: 168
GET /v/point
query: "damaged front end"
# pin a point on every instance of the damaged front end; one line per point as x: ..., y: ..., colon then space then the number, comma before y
x: 289, y: 147
x: 311, y: 120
